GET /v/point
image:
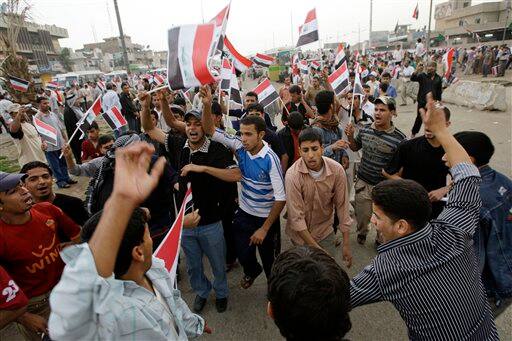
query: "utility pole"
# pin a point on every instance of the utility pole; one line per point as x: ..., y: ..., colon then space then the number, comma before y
x: 121, y: 36
x: 509, y: 4
x: 371, y: 21
x: 428, y: 32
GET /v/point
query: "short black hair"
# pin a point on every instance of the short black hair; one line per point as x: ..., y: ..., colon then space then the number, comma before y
x: 311, y: 135
x: 103, y: 139
x: 386, y: 74
x: 256, y: 107
x: 39, y: 99
x: 323, y: 100
x: 384, y: 86
x: 295, y: 89
x: 179, y: 101
x: 366, y: 86
x: 252, y: 94
x: 216, y: 108
x: 351, y: 74
x: 258, y: 122
x: 109, y: 86
x: 309, y: 295
x: 93, y: 125
x: 403, y: 199
x: 123, y: 84
x: 477, y: 144
x: 35, y: 164
x: 133, y: 236
x: 296, y: 120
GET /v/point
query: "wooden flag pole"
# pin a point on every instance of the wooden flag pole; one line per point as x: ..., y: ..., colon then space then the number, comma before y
x: 158, y: 88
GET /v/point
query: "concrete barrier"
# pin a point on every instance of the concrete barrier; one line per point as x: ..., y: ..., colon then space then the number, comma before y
x: 479, y: 95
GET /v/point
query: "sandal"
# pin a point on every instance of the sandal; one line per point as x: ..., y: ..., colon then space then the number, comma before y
x: 246, y: 282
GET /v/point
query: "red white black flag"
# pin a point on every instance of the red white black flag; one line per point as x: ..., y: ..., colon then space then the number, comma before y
x: 308, y: 32
x: 46, y: 131
x: 263, y: 60
x: 234, y: 91
x: 266, y: 92
x: 114, y: 118
x: 190, y: 52
x: 85, y: 122
x: 220, y: 21
x: 340, y: 56
x: 19, y: 84
x: 339, y: 79
x: 416, y: 12
x: 225, y: 75
x: 240, y: 62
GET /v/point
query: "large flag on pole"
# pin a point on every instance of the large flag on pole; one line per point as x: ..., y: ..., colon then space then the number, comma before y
x: 339, y: 79
x: 114, y: 118
x: 448, y: 61
x: 263, y: 60
x: 225, y: 75
x: 308, y: 32
x: 46, y: 131
x: 234, y: 91
x: 416, y: 12
x: 220, y: 21
x: 190, y: 51
x: 267, y: 94
x: 340, y: 56
x: 169, y: 249
x: 240, y: 62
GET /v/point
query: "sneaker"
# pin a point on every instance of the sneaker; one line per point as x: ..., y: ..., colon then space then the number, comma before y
x: 71, y: 182
x: 246, y: 282
x: 199, y: 303
x: 63, y: 185
x: 221, y: 304
x: 361, y: 239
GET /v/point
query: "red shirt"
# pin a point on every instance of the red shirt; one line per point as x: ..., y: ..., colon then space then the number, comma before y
x: 90, y: 152
x: 30, y: 252
x: 12, y: 297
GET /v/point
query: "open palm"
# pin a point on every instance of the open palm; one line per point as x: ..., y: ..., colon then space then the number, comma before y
x: 132, y: 180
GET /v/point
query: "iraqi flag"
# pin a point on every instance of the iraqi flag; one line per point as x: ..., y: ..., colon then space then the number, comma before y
x: 340, y: 56
x: 225, y: 75
x: 316, y: 65
x: 169, y: 249
x: 220, y: 21
x: 46, y: 131
x: 308, y: 32
x: 190, y: 51
x: 114, y: 118
x: 339, y: 79
x: 448, y: 61
x: 19, y: 84
x: 240, y: 62
x: 85, y: 122
x: 267, y: 94
x: 158, y: 79
x: 234, y: 91
x: 52, y: 86
x: 263, y: 60
x: 358, y: 87
x: 416, y: 12
x: 101, y: 85
x: 303, y: 67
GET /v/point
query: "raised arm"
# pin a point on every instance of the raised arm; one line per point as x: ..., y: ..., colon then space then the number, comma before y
x: 205, y: 93
x: 15, y: 125
x: 169, y: 118
x: 152, y: 130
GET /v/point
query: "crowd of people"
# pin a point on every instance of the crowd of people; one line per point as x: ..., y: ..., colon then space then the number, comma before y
x: 324, y: 166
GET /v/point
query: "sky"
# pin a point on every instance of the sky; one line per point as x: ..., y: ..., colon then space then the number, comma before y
x: 253, y: 26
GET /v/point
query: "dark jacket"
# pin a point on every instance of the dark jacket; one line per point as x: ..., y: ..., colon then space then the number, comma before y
x: 285, y: 135
x: 493, y: 240
x: 428, y: 84
x: 128, y: 108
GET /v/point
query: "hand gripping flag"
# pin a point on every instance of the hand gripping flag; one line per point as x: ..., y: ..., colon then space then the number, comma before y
x: 169, y: 249
x: 114, y: 118
x: 189, y: 57
x: 240, y: 62
x: 220, y: 21
x: 263, y: 60
x: 308, y: 32
x: 46, y: 131
x: 267, y: 94
x: 89, y: 117
x: 339, y: 79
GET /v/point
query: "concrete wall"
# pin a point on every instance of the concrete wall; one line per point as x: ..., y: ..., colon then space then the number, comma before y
x: 479, y: 95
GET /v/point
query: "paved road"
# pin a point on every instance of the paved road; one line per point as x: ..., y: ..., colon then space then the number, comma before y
x: 246, y: 317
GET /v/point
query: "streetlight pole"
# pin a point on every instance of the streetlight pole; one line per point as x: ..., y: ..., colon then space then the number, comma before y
x: 371, y: 19
x: 429, y: 23
x: 121, y: 36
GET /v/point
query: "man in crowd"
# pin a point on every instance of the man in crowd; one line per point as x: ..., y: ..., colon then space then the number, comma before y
x: 390, y: 90
x: 316, y: 189
x: 420, y: 159
x: 25, y: 136
x: 493, y: 237
x: 262, y: 197
x: 57, y: 164
x: 128, y: 109
x: 95, y: 91
x: 406, y: 87
x: 284, y: 92
x: 428, y: 270
x: 110, y: 99
x: 39, y: 183
x: 378, y: 142
x: 91, y: 146
x: 314, y: 89
x: 373, y: 83
x: 297, y: 103
x: 30, y: 248
x: 429, y: 82
x: 113, y: 279
x: 206, y: 165
x: 317, y: 309
x: 289, y: 136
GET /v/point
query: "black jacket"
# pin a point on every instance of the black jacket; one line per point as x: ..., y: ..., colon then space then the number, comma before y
x: 128, y: 109
x: 285, y: 135
x: 428, y: 84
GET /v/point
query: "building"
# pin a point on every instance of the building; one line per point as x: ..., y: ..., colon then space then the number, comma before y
x: 463, y: 24
x: 92, y: 60
x: 39, y: 44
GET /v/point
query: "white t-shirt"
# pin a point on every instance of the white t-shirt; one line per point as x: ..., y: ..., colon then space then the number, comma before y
x: 316, y: 174
x: 407, y: 71
x: 398, y: 55
x: 420, y: 50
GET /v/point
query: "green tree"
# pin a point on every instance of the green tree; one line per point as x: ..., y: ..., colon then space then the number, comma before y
x: 65, y: 59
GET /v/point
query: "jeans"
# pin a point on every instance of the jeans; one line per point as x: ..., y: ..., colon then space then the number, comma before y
x: 58, y: 166
x: 133, y: 123
x: 245, y: 225
x: 208, y: 240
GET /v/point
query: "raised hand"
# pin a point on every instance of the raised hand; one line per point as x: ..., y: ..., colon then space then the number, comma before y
x: 145, y: 99
x: 205, y: 92
x: 433, y: 116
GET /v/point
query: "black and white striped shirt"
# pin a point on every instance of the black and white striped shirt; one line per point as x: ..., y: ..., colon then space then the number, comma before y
x: 431, y: 276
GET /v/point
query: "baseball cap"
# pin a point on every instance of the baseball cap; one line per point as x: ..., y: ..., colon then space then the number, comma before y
x: 196, y: 113
x: 10, y: 180
x: 387, y: 100
x: 177, y: 109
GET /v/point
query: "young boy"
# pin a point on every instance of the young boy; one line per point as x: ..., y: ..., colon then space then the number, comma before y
x: 91, y: 147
